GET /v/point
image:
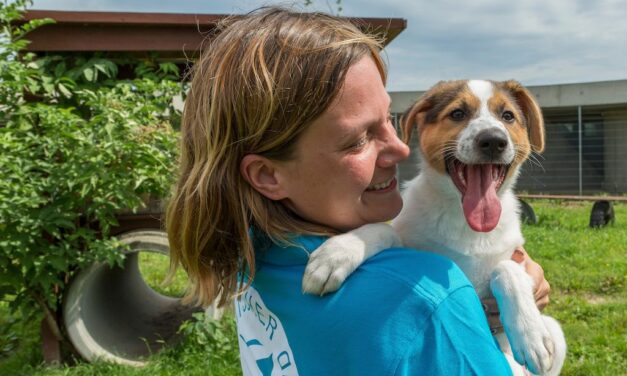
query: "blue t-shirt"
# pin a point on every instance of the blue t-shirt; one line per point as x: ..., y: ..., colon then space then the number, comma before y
x: 402, y: 312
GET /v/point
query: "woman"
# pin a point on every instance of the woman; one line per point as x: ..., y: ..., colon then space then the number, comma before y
x: 286, y: 140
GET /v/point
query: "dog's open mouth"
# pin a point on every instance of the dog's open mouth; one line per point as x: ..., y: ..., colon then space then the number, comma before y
x: 478, y: 185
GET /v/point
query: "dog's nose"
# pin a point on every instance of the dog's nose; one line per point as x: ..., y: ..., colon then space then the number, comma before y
x: 491, y: 143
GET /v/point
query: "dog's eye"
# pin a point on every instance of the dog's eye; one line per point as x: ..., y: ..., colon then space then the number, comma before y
x: 508, y: 116
x: 457, y: 115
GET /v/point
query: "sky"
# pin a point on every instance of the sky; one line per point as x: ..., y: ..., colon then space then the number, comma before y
x: 537, y: 42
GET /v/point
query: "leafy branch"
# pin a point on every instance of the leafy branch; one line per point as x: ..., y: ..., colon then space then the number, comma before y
x: 78, y: 144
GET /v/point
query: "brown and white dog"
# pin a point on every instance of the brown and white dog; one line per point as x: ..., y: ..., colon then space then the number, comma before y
x: 473, y: 136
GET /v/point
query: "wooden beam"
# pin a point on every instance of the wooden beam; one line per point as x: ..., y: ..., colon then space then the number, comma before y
x: 178, y: 36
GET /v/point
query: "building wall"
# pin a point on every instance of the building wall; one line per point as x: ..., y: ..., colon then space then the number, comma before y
x: 615, y: 143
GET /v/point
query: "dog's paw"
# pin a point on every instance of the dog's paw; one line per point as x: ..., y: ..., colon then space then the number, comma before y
x: 331, y: 264
x: 340, y: 255
x: 532, y: 344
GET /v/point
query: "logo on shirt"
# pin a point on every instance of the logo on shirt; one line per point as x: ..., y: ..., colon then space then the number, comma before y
x: 264, y: 349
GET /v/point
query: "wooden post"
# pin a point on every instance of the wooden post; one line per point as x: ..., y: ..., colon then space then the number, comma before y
x: 51, y: 346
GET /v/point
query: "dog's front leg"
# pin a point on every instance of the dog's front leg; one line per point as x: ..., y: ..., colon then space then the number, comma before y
x: 530, y: 340
x: 340, y: 255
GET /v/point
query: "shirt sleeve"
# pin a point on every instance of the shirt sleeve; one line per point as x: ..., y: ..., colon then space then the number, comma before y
x: 456, y: 340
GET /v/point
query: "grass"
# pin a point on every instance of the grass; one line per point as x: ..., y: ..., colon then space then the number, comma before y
x: 153, y: 267
x: 587, y: 270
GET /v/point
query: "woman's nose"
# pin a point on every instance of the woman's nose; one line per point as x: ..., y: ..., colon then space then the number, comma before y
x: 393, y: 151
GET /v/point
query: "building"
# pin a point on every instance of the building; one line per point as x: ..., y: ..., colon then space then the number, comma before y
x: 586, y: 140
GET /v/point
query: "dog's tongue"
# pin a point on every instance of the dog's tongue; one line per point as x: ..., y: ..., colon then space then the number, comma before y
x: 482, y: 206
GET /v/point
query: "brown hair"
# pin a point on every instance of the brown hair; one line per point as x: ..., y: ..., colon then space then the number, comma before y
x: 261, y: 81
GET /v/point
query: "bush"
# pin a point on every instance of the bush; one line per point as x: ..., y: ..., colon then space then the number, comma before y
x: 77, y: 145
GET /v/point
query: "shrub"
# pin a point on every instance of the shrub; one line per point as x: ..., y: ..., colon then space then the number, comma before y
x: 77, y: 145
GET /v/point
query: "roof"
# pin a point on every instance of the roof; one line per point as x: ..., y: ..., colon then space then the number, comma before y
x: 603, y: 93
x: 174, y: 35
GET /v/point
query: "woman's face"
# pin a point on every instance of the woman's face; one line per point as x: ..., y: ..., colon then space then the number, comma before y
x: 343, y: 174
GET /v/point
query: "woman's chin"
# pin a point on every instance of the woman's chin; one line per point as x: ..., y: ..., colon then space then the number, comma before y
x: 386, y: 211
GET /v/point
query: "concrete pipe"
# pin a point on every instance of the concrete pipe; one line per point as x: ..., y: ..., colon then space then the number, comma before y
x: 111, y: 313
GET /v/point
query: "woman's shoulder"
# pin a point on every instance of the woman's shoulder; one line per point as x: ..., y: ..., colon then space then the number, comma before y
x: 401, y: 294
x: 410, y: 290
x: 426, y: 276
x: 418, y: 277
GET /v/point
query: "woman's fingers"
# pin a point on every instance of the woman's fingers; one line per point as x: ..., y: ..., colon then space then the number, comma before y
x: 542, y: 294
x: 541, y: 285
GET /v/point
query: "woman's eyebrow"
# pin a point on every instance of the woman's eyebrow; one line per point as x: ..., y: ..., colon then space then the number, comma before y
x: 350, y: 133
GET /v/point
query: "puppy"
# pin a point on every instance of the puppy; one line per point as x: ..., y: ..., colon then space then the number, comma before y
x: 473, y: 138
x: 602, y: 214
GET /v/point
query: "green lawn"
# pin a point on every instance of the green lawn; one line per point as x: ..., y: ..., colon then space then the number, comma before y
x: 587, y: 270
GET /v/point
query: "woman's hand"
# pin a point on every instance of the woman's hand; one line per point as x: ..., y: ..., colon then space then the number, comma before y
x: 541, y: 286
x: 540, y: 292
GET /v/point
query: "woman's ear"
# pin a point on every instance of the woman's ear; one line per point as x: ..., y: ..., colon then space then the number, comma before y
x: 262, y: 174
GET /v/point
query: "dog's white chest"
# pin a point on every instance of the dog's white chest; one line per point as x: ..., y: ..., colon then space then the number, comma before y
x: 432, y: 220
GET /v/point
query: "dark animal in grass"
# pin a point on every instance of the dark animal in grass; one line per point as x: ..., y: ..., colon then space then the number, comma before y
x: 527, y: 215
x: 602, y: 214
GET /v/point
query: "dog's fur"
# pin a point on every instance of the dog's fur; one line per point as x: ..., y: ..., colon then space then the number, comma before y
x: 474, y: 136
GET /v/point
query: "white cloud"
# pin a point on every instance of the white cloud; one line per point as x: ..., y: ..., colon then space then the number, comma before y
x: 536, y: 42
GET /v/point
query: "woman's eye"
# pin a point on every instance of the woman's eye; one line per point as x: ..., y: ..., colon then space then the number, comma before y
x: 359, y: 144
x: 362, y: 141
x: 457, y: 115
x: 508, y: 116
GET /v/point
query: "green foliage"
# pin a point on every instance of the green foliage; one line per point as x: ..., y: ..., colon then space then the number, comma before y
x: 77, y: 145
x: 218, y: 339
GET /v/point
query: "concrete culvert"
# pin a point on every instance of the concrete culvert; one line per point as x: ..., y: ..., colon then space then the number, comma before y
x: 113, y: 314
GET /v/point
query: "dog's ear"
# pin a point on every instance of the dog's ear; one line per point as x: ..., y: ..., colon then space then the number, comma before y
x: 532, y: 112
x: 415, y: 115
x: 408, y: 121
x: 429, y: 105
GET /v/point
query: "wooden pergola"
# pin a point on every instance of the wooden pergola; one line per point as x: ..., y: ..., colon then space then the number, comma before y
x: 172, y: 35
